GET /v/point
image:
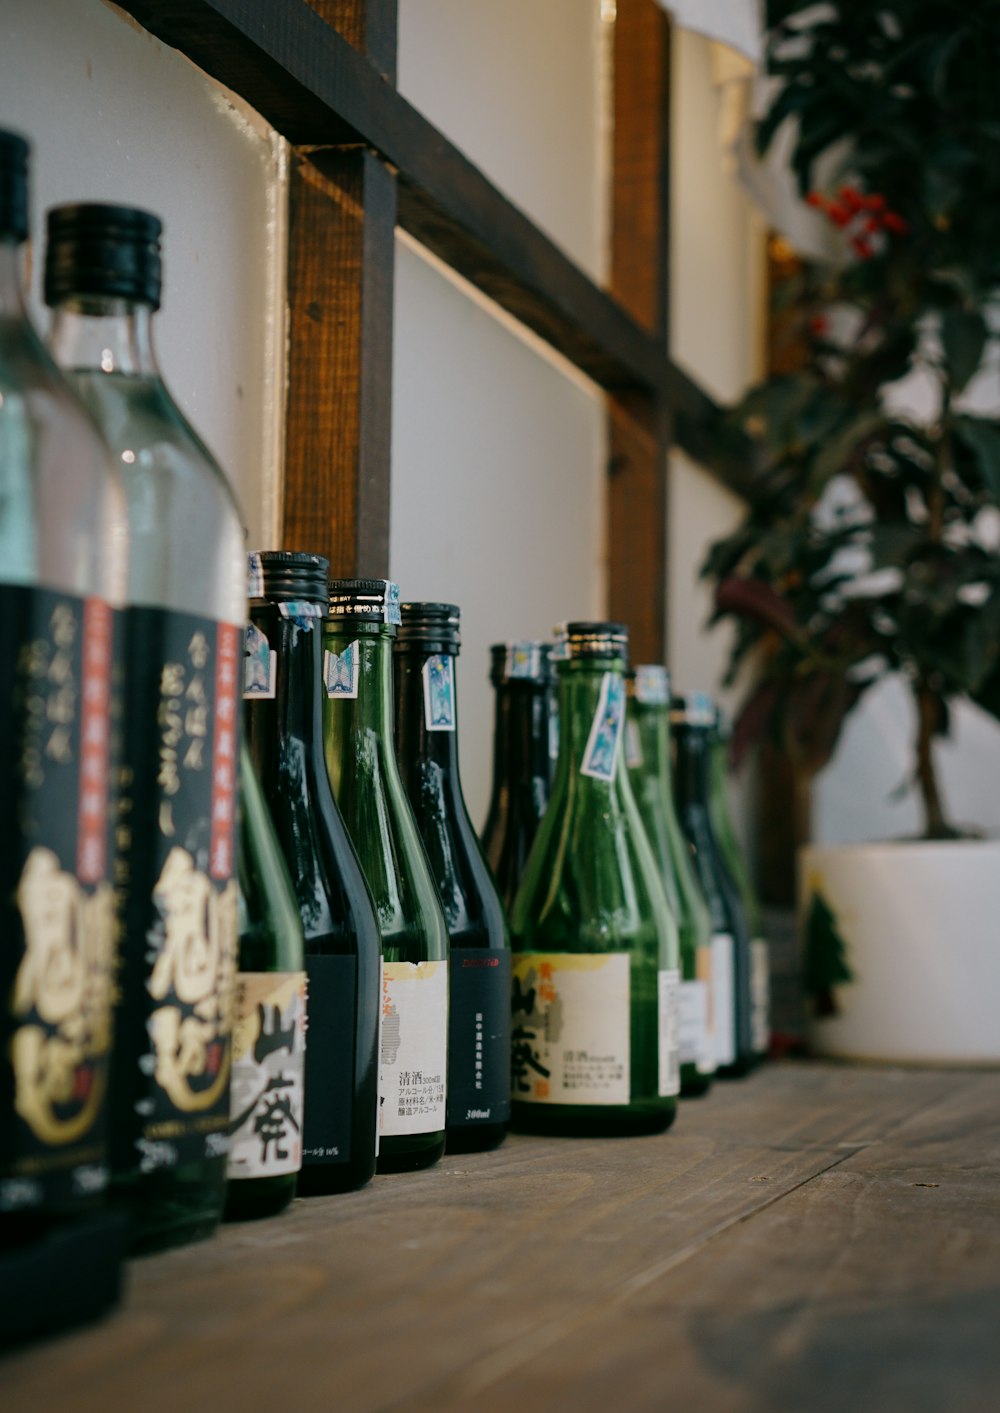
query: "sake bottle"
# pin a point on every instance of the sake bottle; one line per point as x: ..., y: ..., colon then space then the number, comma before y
x: 647, y: 753
x: 284, y: 712
x: 361, y: 760
x: 525, y: 741
x: 426, y: 690
x: 596, y: 958
x: 267, y: 1101
x: 183, y: 646
x: 63, y: 543
x: 760, y: 968
x: 692, y: 718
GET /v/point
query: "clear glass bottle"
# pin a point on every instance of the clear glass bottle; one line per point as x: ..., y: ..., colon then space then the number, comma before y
x: 63, y: 544
x: 760, y: 965
x: 479, y: 965
x: 525, y: 741
x: 596, y: 959
x: 361, y: 760
x: 186, y: 599
x: 284, y: 713
x: 269, y: 1032
x: 692, y: 718
x: 647, y: 753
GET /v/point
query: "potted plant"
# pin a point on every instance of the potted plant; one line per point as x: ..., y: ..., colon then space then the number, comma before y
x: 869, y: 546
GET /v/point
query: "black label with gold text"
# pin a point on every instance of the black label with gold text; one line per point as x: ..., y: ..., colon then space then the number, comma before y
x: 177, y: 873
x: 57, y: 922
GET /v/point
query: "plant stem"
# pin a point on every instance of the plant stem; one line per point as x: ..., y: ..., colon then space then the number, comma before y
x: 935, y: 824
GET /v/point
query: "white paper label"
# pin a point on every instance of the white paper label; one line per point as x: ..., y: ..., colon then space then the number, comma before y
x: 670, y: 1064
x: 413, y: 1047
x: 255, y: 575
x: 571, y: 1028
x: 340, y: 671
x: 266, y: 1097
x: 633, y: 744
x: 439, y: 693
x: 600, y: 758
x: 760, y: 996
x: 696, y: 1037
x: 260, y: 665
x: 723, y: 999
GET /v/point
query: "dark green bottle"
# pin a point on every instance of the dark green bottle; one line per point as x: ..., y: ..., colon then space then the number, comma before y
x: 479, y: 963
x: 361, y: 760
x: 760, y: 966
x: 525, y: 743
x: 284, y: 713
x: 269, y: 1026
x: 596, y: 962
x: 692, y: 719
x: 647, y: 752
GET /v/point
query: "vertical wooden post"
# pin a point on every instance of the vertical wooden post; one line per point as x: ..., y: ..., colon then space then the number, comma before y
x: 639, y: 428
x: 342, y: 218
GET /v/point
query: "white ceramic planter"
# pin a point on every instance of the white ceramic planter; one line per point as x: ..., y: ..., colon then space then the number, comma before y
x: 922, y: 928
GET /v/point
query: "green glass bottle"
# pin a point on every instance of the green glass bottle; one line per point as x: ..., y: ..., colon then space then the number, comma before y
x: 692, y: 718
x: 479, y: 964
x: 269, y: 1027
x: 184, y: 626
x: 283, y: 700
x: 63, y: 541
x: 525, y: 742
x: 647, y: 753
x: 760, y: 966
x: 361, y: 760
x: 596, y: 958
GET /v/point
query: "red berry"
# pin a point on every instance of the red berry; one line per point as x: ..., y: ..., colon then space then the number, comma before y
x: 896, y: 223
x: 850, y: 198
x: 840, y: 216
x: 818, y: 325
x: 815, y: 199
x: 874, y: 201
x: 862, y: 248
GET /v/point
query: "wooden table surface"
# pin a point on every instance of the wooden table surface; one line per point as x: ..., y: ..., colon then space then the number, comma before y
x: 814, y: 1238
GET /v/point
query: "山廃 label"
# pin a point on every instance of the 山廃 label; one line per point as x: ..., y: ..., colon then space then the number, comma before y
x: 571, y: 1038
x: 669, y: 982
x: 438, y: 675
x: 268, y: 1082
x: 600, y: 757
x: 723, y: 998
x: 413, y: 1048
x: 58, y: 657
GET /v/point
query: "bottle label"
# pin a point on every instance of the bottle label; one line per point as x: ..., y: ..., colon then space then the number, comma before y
x: 340, y: 671
x: 652, y: 685
x: 723, y: 998
x: 414, y: 1048
x: 260, y: 666
x: 669, y: 1032
x: 255, y: 575
x: 301, y: 612
x: 760, y: 996
x: 479, y: 1037
x: 695, y: 1037
x: 571, y: 1036
x: 58, y: 660
x: 266, y: 1102
x: 600, y: 759
x: 439, y: 693
x: 553, y: 731
x: 633, y: 744
x: 176, y: 861
x: 523, y: 660
x: 330, y: 1077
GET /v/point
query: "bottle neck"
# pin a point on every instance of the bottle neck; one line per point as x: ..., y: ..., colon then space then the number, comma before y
x: 299, y: 705
x: 371, y: 710
x: 692, y: 768
x: 417, y: 708
x: 581, y: 682
x: 521, y: 734
x: 12, y: 304
x: 103, y: 334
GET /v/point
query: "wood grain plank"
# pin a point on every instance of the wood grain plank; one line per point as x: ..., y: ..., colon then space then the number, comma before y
x: 460, y: 1287
x: 339, y: 396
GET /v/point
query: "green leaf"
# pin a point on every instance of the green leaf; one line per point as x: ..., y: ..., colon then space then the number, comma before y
x: 982, y: 437
x: 825, y: 964
x: 963, y: 336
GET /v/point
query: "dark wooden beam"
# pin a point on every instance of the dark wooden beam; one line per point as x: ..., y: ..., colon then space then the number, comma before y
x: 639, y: 424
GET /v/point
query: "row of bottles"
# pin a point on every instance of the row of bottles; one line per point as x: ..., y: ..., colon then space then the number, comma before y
x: 258, y: 947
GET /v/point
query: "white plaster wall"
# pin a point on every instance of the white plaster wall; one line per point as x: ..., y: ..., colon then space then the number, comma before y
x: 114, y: 115
x: 519, y: 86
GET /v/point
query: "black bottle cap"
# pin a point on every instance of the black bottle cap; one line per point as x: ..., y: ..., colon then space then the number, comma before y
x: 13, y: 186
x: 103, y: 250
x: 288, y: 576
x: 364, y: 601
x: 523, y: 661
x: 594, y: 640
x: 696, y: 709
x: 430, y: 627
